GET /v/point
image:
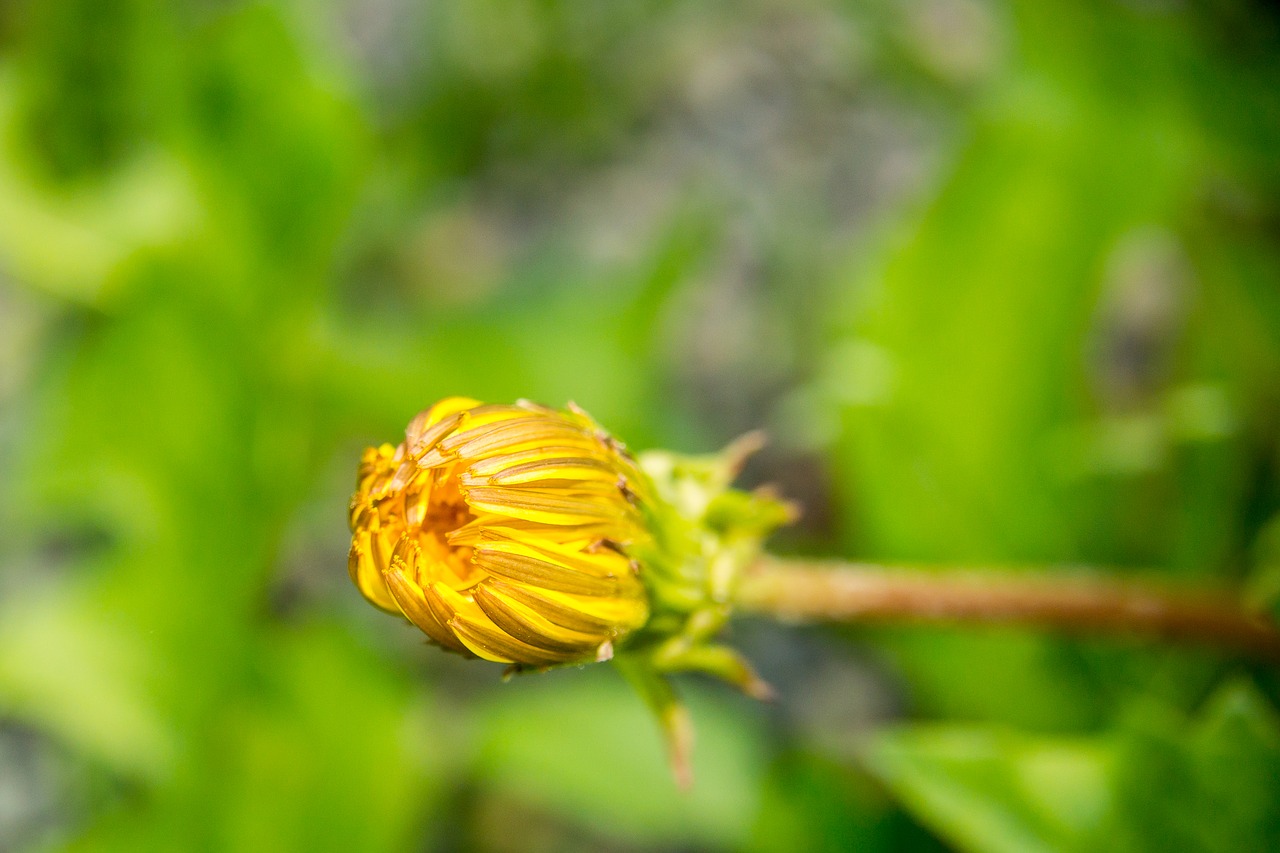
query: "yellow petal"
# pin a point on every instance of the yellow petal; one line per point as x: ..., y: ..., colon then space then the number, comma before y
x: 474, y: 629
x: 549, y: 506
x: 540, y: 573
x: 577, y: 613
x: 366, y: 576
x: 413, y: 604
x: 526, y: 625
x: 500, y: 647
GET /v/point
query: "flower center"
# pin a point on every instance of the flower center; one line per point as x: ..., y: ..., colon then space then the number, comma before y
x: 442, y: 510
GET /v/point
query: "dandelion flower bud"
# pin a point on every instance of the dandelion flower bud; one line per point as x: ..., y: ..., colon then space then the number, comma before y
x: 503, y: 532
x: 531, y: 537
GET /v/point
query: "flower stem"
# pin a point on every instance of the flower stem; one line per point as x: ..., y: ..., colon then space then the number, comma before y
x: 807, y: 591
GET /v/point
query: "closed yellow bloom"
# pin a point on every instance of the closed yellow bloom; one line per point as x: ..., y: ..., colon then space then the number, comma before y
x: 529, y: 536
x: 505, y: 532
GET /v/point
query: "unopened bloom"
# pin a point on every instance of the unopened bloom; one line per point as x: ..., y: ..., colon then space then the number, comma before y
x: 504, y: 532
x: 530, y: 536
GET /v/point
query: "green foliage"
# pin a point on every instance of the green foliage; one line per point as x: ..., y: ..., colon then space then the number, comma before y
x: 1206, y: 785
x: 998, y: 278
x: 995, y: 790
x: 1157, y: 783
x: 582, y: 747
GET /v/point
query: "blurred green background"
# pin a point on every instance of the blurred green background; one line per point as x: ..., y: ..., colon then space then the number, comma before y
x: 1001, y: 280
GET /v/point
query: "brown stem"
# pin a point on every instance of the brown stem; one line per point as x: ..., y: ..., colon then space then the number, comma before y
x: 856, y: 592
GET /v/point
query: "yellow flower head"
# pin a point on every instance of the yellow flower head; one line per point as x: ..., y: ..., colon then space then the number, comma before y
x: 529, y: 536
x: 505, y: 532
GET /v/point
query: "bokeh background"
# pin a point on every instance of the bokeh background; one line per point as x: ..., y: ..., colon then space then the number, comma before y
x: 1000, y: 279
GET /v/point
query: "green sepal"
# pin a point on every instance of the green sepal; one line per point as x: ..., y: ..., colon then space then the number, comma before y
x: 705, y: 535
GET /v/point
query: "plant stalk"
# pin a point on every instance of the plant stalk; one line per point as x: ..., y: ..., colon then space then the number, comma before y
x: 808, y: 591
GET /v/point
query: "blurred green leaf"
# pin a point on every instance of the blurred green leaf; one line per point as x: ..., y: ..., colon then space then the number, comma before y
x: 71, y: 242
x: 995, y: 790
x: 812, y: 802
x: 326, y: 730
x: 70, y: 667
x: 1208, y: 786
x: 1160, y: 783
x: 1055, y: 692
x: 1263, y: 590
x: 584, y: 746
